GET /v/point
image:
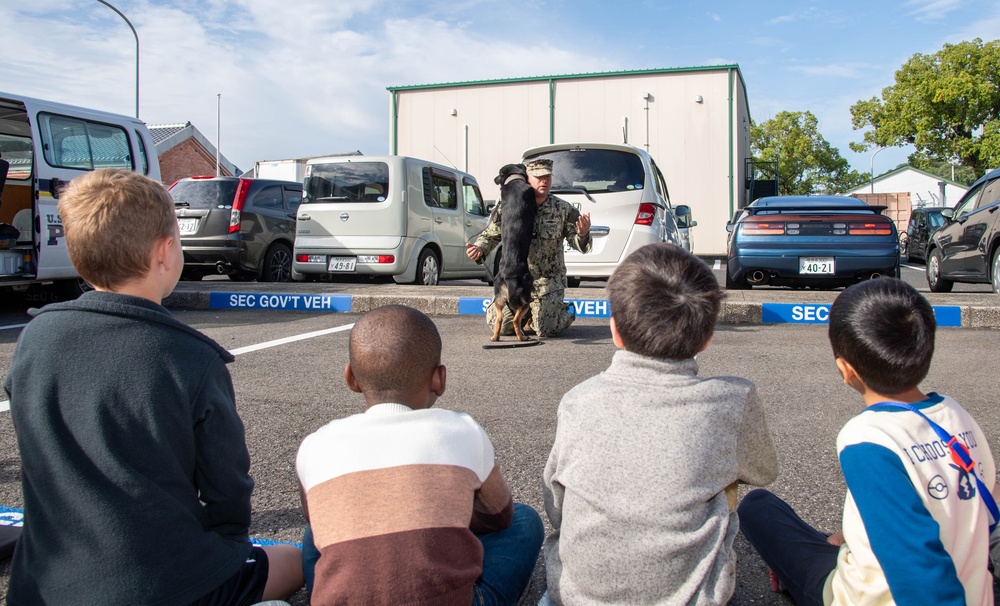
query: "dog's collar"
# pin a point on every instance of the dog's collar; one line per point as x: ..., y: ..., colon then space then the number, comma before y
x: 512, y: 177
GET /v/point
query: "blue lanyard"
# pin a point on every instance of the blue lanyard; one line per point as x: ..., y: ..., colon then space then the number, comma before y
x: 960, y: 456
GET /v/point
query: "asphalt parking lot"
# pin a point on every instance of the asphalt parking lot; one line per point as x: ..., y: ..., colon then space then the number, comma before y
x: 285, y: 391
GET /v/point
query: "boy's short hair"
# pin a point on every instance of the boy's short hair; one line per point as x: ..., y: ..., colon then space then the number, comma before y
x: 665, y: 302
x: 112, y: 218
x: 884, y: 328
x: 393, y: 350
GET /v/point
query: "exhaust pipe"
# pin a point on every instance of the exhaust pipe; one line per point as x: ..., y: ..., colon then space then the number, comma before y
x: 757, y: 277
x: 222, y: 267
x: 874, y: 275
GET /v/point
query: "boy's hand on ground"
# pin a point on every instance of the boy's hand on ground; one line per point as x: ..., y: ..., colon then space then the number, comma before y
x: 836, y: 538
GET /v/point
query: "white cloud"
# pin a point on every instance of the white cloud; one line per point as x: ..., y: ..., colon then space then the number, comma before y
x: 932, y: 10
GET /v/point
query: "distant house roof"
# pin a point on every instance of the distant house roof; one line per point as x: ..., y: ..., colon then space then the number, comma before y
x: 161, y: 132
x: 166, y: 136
x: 905, y: 168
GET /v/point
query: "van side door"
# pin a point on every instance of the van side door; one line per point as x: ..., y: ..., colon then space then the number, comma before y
x: 442, y: 197
x: 476, y: 216
x: 68, y: 146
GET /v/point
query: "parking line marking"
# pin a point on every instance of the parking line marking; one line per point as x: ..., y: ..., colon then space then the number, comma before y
x: 13, y: 326
x: 5, y: 404
x: 717, y: 265
x: 292, y: 339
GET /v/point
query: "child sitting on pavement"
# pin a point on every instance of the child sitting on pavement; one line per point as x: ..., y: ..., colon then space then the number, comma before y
x: 135, y: 470
x: 406, y: 504
x: 915, y: 529
x: 640, y: 486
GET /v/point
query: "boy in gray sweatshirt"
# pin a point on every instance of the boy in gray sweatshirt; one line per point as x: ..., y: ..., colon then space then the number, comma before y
x: 640, y: 486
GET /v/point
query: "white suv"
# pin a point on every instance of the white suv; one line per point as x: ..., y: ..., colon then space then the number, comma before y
x: 626, y: 196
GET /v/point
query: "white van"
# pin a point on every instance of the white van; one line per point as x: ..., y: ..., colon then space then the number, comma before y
x: 627, y: 198
x: 48, y: 144
x: 387, y: 216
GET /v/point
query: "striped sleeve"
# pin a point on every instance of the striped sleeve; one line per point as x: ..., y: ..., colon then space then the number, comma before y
x: 904, y: 536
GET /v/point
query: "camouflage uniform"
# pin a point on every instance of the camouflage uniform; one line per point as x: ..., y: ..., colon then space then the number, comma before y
x: 555, y: 222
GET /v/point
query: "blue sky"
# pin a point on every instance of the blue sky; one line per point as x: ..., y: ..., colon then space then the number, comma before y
x: 309, y: 77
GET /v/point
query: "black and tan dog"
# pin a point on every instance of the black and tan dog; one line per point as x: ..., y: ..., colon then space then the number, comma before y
x: 512, y: 284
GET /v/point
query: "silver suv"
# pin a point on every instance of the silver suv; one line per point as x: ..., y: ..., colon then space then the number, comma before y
x: 626, y: 196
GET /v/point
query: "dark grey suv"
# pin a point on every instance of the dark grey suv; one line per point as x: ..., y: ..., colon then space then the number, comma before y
x: 244, y: 228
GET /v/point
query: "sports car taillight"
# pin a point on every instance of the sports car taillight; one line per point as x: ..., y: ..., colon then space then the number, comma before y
x: 763, y: 229
x: 645, y: 215
x: 241, y: 197
x: 869, y: 229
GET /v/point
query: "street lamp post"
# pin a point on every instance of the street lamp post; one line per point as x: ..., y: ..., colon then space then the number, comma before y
x: 871, y: 167
x: 122, y: 15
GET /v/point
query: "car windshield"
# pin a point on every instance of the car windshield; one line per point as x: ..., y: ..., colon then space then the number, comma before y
x: 346, y: 182
x: 203, y: 193
x: 595, y: 170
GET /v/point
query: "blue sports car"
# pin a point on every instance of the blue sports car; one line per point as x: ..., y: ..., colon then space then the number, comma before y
x: 816, y: 241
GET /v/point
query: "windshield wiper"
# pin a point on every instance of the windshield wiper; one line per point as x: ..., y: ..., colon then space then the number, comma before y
x: 574, y: 190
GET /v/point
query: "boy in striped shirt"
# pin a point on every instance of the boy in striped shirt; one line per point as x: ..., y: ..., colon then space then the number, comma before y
x: 405, y: 503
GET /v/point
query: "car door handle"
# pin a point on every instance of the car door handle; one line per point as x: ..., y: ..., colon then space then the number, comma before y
x: 438, y: 220
x: 600, y: 230
x: 304, y: 217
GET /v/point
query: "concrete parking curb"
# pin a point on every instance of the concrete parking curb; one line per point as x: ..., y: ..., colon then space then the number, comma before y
x: 735, y: 310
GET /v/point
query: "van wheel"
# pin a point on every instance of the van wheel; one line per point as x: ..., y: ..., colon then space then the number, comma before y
x: 428, y: 268
x: 71, y: 289
x: 277, y: 264
x: 934, y: 280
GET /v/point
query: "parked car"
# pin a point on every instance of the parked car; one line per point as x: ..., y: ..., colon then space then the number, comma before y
x: 244, y: 228
x: 815, y: 241
x: 967, y: 247
x: 387, y: 216
x: 627, y: 198
x: 923, y: 222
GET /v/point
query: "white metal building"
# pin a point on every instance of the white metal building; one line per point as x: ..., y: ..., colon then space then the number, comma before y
x: 694, y: 121
x: 925, y: 189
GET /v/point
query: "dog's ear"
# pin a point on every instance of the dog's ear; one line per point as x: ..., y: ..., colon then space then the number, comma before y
x: 498, y: 179
x: 519, y: 169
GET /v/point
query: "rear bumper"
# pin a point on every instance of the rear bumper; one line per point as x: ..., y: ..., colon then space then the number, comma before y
x: 209, y: 257
x: 398, y: 266
x: 783, y: 268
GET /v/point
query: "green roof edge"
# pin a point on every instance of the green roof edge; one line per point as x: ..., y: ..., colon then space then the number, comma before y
x: 637, y: 72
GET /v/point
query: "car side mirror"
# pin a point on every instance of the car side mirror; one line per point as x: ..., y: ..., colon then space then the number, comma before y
x: 683, y: 214
x: 948, y: 213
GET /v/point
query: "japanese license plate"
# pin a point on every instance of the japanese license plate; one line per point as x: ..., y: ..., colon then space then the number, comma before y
x: 816, y: 265
x: 341, y: 264
x: 187, y: 227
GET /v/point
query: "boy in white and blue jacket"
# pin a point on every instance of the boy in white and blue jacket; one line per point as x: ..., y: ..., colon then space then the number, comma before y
x: 915, y: 528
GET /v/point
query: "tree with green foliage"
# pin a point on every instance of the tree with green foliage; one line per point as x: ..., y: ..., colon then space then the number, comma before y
x: 807, y: 163
x: 945, y: 170
x: 947, y: 105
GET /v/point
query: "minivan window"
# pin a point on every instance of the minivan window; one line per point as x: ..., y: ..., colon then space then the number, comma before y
x: 473, y: 199
x: 443, y: 192
x: 142, y: 153
x: 595, y: 170
x: 269, y: 198
x: 204, y: 193
x: 81, y: 144
x: 293, y: 197
x: 18, y: 152
x: 346, y: 182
